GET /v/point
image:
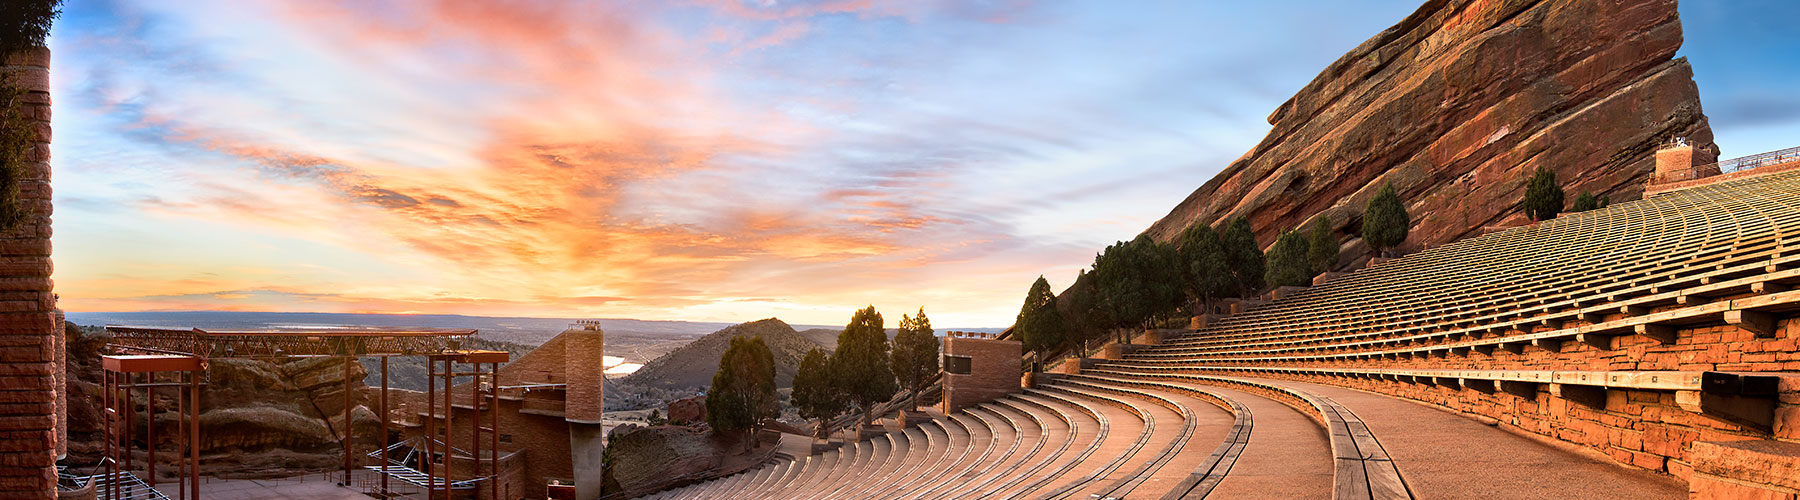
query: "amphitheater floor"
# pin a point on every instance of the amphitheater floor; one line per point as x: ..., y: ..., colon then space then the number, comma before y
x: 1445, y: 455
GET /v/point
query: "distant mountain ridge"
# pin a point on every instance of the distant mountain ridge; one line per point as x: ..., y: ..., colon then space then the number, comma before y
x: 693, y: 365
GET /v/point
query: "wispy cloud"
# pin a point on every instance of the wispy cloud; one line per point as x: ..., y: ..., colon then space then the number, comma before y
x: 707, y: 159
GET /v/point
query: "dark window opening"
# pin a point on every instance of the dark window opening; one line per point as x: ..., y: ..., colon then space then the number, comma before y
x: 957, y: 365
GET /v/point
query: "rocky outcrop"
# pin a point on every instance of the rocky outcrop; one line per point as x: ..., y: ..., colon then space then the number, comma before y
x: 643, y: 459
x: 1456, y: 105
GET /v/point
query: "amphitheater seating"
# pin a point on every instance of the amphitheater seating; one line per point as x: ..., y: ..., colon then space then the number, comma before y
x: 1661, y: 321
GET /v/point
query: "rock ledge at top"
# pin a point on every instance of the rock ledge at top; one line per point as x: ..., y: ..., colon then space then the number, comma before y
x: 1456, y: 105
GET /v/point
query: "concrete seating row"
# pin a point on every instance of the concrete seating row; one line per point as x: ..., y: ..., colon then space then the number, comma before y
x: 1625, y: 260
x: 1074, y: 438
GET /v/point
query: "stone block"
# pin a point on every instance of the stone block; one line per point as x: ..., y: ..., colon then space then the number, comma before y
x: 1771, y: 463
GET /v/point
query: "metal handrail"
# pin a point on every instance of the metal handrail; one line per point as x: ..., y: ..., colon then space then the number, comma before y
x: 1777, y: 157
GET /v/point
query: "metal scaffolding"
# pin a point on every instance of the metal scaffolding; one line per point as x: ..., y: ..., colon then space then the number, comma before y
x: 141, y: 353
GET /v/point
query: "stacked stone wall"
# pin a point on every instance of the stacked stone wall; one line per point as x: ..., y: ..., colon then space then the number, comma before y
x: 1641, y: 428
x: 28, y: 326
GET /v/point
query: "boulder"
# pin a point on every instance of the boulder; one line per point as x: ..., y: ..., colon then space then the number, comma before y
x: 643, y: 459
x: 687, y: 410
x: 1456, y: 106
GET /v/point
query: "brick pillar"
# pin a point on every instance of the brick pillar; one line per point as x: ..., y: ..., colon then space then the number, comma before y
x: 583, y: 400
x: 28, y: 328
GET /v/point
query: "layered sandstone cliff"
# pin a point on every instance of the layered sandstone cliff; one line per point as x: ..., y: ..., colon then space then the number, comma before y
x: 1457, y: 105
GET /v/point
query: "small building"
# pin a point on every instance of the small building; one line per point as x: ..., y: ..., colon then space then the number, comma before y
x: 979, y: 367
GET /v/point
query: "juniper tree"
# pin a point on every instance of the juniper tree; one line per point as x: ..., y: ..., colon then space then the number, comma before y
x: 1206, y: 272
x: 1543, y: 198
x: 1385, y: 222
x: 1586, y: 201
x: 1039, y: 324
x: 816, y: 392
x: 743, y: 390
x: 915, y: 354
x: 861, y: 363
x: 1287, y: 261
x: 1321, y: 247
x: 1243, y: 256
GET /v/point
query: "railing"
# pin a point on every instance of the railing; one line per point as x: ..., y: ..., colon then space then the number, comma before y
x: 1779, y: 157
x: 1760, y: 160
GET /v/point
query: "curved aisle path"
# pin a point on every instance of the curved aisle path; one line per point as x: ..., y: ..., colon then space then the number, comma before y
x: 1289, y: 455
x: 1211, y: 425
x: 1437, y: 452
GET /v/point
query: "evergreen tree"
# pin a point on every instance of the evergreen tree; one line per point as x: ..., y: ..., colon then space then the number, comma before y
x: 1243, y: 256
x: 1321, y: 247
x: 1207, y: 274
x: 1139, y: 280
x: 915, y: 355
x: 1116, y: 291
x: 1287, y: 261
x: 1385, y: 222
x: 861, y: 363
x: 1161, y: 270
x: 1039, y: 325
x: 1084, y: 306
x: 743, y: 390
x: 816, y: 393
x: 1585, y: 202
x: 1543, y: 198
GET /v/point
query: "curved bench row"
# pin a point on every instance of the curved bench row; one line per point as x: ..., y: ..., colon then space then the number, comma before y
x: 1632, y: 254
x: 1363, y: 469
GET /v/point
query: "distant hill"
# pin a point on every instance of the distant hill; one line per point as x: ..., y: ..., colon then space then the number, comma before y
x: 825, y: 337
x: 693, y: 365
x: 526, y: 331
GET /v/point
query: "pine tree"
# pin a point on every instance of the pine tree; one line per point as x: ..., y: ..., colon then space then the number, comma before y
x: 816, y: 393
x: 1287, y: 261
x: 1543, y: 197
x: 1243, y: 256
x: 861, y: 363
x: 743, y: 390
x: 915, y: 355
x: 1385, y: 222
x: 1039, y: 325
x: 1321, y: 247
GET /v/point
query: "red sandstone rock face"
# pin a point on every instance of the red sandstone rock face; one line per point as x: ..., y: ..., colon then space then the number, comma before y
x: 1456, y: 105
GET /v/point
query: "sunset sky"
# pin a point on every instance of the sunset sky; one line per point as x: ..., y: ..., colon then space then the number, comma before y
x: 708, y: 160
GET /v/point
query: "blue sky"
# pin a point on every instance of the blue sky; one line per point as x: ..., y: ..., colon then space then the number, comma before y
x: 708, y: 160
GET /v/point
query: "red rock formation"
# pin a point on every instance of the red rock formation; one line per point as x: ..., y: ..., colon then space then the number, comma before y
x: 1456, y: 105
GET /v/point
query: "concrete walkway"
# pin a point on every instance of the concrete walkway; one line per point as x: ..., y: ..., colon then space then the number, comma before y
x: 1445, y: 455
x: 1288, y: 456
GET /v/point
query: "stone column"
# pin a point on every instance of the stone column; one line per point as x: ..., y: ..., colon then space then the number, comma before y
x: 28, y: 328
x: 583, y: 350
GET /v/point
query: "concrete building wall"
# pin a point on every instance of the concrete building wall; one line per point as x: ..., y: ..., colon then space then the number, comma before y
x: 28, y: 327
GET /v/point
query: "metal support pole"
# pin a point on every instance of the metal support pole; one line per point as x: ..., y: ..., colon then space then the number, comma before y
x: 475, y: 420
x: 181, y: 461
x: 430, y: 461
x: 150, y: 425
x: 348, y: 463
x: 449, y: 430
x: 108, y: 411
x: 194, y: 432
x: 494, y: 427
x: 384, y: 427
x: 130, y: 418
